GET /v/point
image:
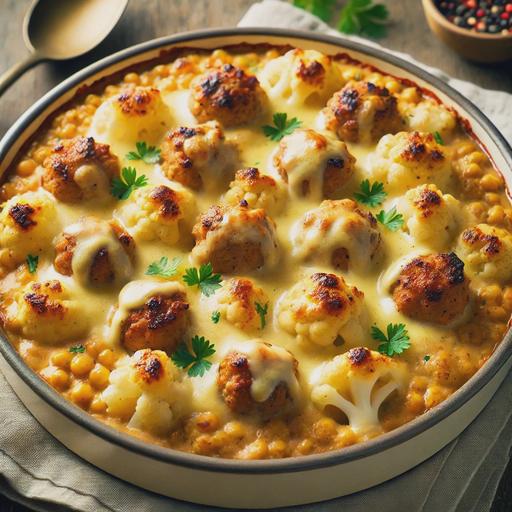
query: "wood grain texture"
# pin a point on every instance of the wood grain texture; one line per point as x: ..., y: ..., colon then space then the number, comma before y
x: 146, y: 19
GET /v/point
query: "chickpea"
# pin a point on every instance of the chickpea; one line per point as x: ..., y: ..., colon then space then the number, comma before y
x: 491, y: 183
x: 81, y: 364
x: 305, y: 447
x: 26, y: 167
x: 496, y: 214
x: 415, y: 402
x: 324, y: 430
x: 206, y: 422
x: 107, y: 358
x: 256, y: 450
x: 94, y: 348
x: 98, y: 377
x: 61, y: 358
x: 92, y: 99
x: 98, y: 406
x: 491, y: 294
x: 492, y: 198
x: 82, y: 394
x: 345, y: 437
x: 473, y: 171
x: 41, y: 154
x: 68, y: 131
x: 56, y: 377
x: 277, y: 448
x: 234, y: 429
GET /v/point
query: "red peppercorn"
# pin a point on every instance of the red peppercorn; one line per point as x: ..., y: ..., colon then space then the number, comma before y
x: 505, y: 15
x: 480, y: 13
x: 471, y: 4
x: 508, y: 8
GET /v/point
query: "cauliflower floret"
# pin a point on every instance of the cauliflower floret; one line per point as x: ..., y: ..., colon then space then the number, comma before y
x: 405, y: 160
x: 299, y: 77
x: 145, y: 391
x: 150, y: 314
x: 47, y: 313
x: 256, y: 189
x: 259, y: 378
x: 428, y: 116
x: 199, y: 157
x: 79, y: 169
x: 313, y: 165
x: 235, y: 239
x: 357, y: 383
x: 228, y: 95
x: 137, y: 113
x: 361, y: 111
x: 96, y: 252
x: 236, y: 302
x: 338, y: 233
x: 431, y: 217
x: 161, y: 212
x: 28, y: 222
x: 321, y: 309
x: 432, y: 288
x: 487, y: 252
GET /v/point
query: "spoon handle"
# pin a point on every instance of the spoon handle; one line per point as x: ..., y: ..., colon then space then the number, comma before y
x: 13, y: 73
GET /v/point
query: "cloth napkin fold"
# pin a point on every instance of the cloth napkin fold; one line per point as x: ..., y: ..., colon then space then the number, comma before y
x: 38, y: 471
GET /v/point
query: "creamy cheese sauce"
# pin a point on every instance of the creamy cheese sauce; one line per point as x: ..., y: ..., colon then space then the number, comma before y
x: 107, y: 308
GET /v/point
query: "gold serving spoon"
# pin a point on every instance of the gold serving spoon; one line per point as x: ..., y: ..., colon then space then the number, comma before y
x: 63, y: 29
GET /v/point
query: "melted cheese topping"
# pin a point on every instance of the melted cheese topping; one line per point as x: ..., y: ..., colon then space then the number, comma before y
x: 450, y: 351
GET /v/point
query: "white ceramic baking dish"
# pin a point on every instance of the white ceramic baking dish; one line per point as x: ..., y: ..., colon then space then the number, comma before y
x: 267, y: 483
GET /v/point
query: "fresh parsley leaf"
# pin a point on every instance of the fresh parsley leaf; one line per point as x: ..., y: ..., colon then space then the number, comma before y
x: 321, y: 8
x: 77, y: 349
x: 282, y: 126
x: 396, y: 341
x: 363, y: 17
x: 148, y: 154
x: 32, y: 262
x: 163, y: 267
x: 426, y: 359
x: 194, y: 360
x: 215, y: 317
x: 391, y: 219
x: 371, y: 195
x: 207, y: 281
x: 124, y: 186
x: 438, y: 138
x: 262, y: 311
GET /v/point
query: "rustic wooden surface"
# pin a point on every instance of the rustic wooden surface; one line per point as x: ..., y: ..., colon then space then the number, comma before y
x: 145, y: 19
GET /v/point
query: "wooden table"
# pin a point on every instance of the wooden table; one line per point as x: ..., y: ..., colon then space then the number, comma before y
x: 145, y: 19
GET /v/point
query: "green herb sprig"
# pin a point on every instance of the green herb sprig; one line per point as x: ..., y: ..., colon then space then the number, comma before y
x: 262, y: 311
x: 391, y: 219
x: 124, y: 186
x: 215, y: 317
x: 32, y: 262
x: 163, y: 267
x: 438, y: 138
x: 77, y: 349
x: 148, y: 154
x: 194, y: 360
x: 205, y: 279
x: 371, y: 195
x: 282, y: 126
x: 395, y: 342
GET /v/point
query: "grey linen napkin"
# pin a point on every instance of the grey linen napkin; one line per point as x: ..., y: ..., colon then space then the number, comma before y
x: 38, y: 471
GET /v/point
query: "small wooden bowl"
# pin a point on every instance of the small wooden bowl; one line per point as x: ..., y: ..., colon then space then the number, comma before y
x: 475, y: 46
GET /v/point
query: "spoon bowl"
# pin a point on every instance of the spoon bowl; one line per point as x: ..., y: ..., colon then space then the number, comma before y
x: 63, y: 29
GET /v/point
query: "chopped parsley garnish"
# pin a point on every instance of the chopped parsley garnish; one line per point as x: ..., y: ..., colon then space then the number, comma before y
x: 195, y: 361
x: 426, y: 359
x: 371, y: 195
x: 77, y: 349
x: 356, y: 17
x: 215, y: 317
x: 282, y: 126
x: 32, y: 262
x: 124, y: 186
x: 391, y: 219
x: 148, y: 154
x: 262, y: 312
x: 396, y: 341
x: 163, y: 267
x: 438, y: 138
x: 207, y: 281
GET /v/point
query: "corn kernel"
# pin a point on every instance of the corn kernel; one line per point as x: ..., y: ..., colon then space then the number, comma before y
x: 496, y: 215
x: 491, y: 183
x: 492, y: 198
x: 473, y: 171
x: 234, y: 429
x: 26, y: 167
x: 41, y: 154
x: 277, y: 448
x: 61, y: 358
x: 98, y: 406
x: 81, y: 364
x: 56, y: 377
x: 324, y: 429
x: 98, y: 377
x: 305, y: 446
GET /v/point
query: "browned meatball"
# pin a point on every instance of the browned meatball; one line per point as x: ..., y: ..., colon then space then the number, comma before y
x: 228, y: 95
x: 104, y: 266
x: 79, y: 168
x: 235, y: 380
x: 362, y: 104
x: 235, y: 240
x: 160, y: 324
x: 199, y: 154
x: 432, y: 288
